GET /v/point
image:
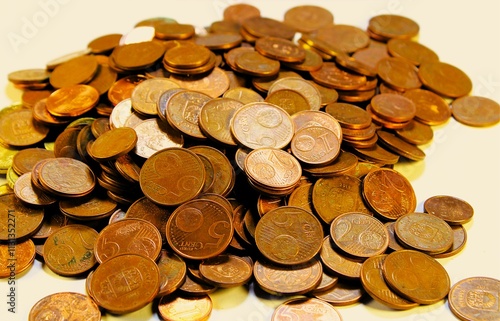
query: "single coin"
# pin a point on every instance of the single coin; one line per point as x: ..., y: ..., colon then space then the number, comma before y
x: 416, y: 276
x: 309, y: 91
x: 444, y: 79
x: 172, y: 272
x: 389, y: 193
x: 88, y: 208
x: 301, y: 197
x: 415, y: 133
x: 219, y: 41
x: 29, y: 98
x: 262, y: 27
x: 226, y: 271
x: 394, y: 244
x: 195, y: 288
x: 187, y: 55
x: 393, y: 26
x: 474, y: 299
x: 451, y: 209
x: 308, y: 18
x: 309, y: 118
x: 56, y: 306
x: 338, y: 264
x: 183, y: 112
x: 214, y: 84
x: 373, y: 282
x: 349, y: 115
x: 104, y: 78
x: 168, y: 30
x: 123, y: 88
x: 76, y: 71
x: 136, y: 56
x: 240, y: 12
x: 29, y: 76
x: 266, y: 203
x: 412, y: 51
x: 288, y: 280
x: 128, y: 236
x: 100, y: 126
x: 476, y: 111
x: 280, y: 49
x: 392, y: 107
x: 336, y: 195
x: 113, y: 144
x: 315, y: 145
x: 215, y: 119
x: 72, y: 101
x: 255, y: 64
x: 304, y: 309
x: 154, y: 135
x: 383, y: 122
x: 359, y: 235
x: 161, y: 106
x: 139, y: 274
x: 399, y: 146
x: 121, y: 113
x: 398, y: 73
x: 70, y: 250
x: 145, y: 209
x: 431, y: 108
x: 151, y: 22
x: 146, y: 94
x: 179, y: 308
x: 18, y: 128
x: 290, y: 100
x: 16, y: 257
x: 459, y: 241
x: 346, y: 38
x: 352, y: 64
x: 24, y: 160
x: 343, y: 164
x: 371, y: 56
x: 289, y: 235
x: 104, y: 44
x: 312, y: 61
x: 67, y: 177
x: 243, y: 95
x: 342, y: 294
x: 11, y: 177
x: 329, y: 75
x: 30, y: 194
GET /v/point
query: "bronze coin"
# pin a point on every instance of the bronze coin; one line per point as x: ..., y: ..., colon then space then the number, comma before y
x: 412, y: 51
x: 113, y: 144
x: 394, y: 244
x: 72, y: 101
x: 399, y: 146
x: 262, y: 27
x: 431, y: 108
x: 329, y: 75
x: 393, y: 26
x: 137, y: 55
x: 24, y: 160
x: 70, y: 250
x: 29, y: 76
x: 374, y: 283
x: 359, y: 235
x: 371, y: 56
x: 289, y: 235
x: 327, y: 283
x: 42, y: 115
x: 309, y: 118
x: 338, y: 264
x: 389, y: 193
x: 146, y: 94
x: 139, y: 274
x: 398, y: 74
x: 473, y: 298
x: 308, y: 18
x: 262, y: 84
x: 459, y: 241
x: 172, y: 272
x: 476, y: 111
x: 348, y: 115
x: 104, y: 78
x: 301, y: 197
x: 444, y: 79
x: 66, y: 144
x: 18, y: 128
x: 226, y: 271
x: 343, y: 164
x: 290, y: 100
x: 415, y: 133
x: 196, y: 287
x: 76, y: 71
x: 280, y: 49
x: 56, y: 306
x: 154, y: 135
x: 30, y: 194
x: 168, y: 30
x: 304, y: 309
x: 145, y: 209
x: 219, y: 41
x: 123, y: 88
x: 183, y: 112
x: 416, y: 276
x: 104, y: 44
x: 255, y: 64
x: 177, y: 308
x: 394, y: 108
x: 451, y: 209
x: 51, y: 223
x: 27, y: 220
x: 88, y: 208
x: 213, y: 84
x: 240, y: 12
x: 215, y: 118
x: 128, y: 236
x: 312, y: 61
x: 315, y: 145
x: 243, y: 95
x: 199, y: 229
x: 309, y: 91
x: 342, y: 294
x: 353, y: 64
x: 346, y: 38
x: 16, y: 257
x: 187, y: 55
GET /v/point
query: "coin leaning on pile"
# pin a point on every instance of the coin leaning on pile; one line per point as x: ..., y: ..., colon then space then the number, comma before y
x: 179, y: 163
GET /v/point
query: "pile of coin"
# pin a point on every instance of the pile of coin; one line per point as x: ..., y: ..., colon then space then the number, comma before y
x: 179, y: 163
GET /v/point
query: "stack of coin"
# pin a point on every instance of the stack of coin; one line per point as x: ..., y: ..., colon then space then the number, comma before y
x: 188, y: 58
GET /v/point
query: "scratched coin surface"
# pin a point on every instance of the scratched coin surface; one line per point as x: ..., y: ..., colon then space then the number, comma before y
x: 306, y: 309
x: 199, y: 229
x: 453, y: 210
x: 226, y: 271
x: 475, y: 299
x: 289, y: 235
x: 16, y: 258
x: 13, y: 213
x: 56, y: 306
x: 416, y: 276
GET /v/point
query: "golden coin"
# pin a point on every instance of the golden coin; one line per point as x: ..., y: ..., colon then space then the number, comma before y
x: 24, y: 161
x: 262, y: 27
x: 431, y: 108
x: 225, y: 271
x: 255, y: 64
x: 5, y: 189
x: 399, y: 146
x: 262, y: 84
x: 342, y: 294
x: 29, y: 76
x: 183, y: 110
x: 459, y: 241
x: 312, y: 62
x: 76, y: 71
x: 349, y: 115
x: 394, y: 108
x: 310, y: 92
x: 315, y: 145
x: 329, y: 75
x: 306, y: 309
x: 104, y: 78
x: 154, y: 135
x: 219, y: 41
x: 338, y: 264
x: 474, y: 298
x: 72, y: 101
x: 291, y: 101
x: 280, y: 49
x: 398, y: 74
x: 187, y: 55
x: 178, y: 308
x: 42, y: 115
x: 308, y: 18
x: 444, y: 79
x: 151, y: 22
x: 136, y: 56
x: 244, y: 95
x: 128, y: 236
x: 451, y: 209
x: 258, y: 125
x: 415, y: 133
x: 85, y: 208
x: 168, y: 30
x: 30, y: 97
x: 104, y: 44
x: 343, y: 164
x: 416, y: 276
x: 215, y: 118
x: 213, y: 84
x: 26, y: 220
x: 393, y: 26
x: 123, y: 88
x: 66, y: 177
x: 289, y: 235
x: 15, y: 258
x: 476, y: 111
x: 70, y: 250
x: 389, y: 193
x: 414, y: 52
x: 288, y: 280
x: 373, y: 282
x: 56, y: 306
x: 113, y: 144
x: 383, y: 122
x: 18, y: 128
x: 199, y: 229
x: 30, y: 194
x: 51, y: 65
x: 240, y: 12
x: 139, y: 274
x: 146, y: 94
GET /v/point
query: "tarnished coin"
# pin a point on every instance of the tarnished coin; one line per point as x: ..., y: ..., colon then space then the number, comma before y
x: 389, y: 193
x: 183, y: 110
x: 338, y: 264
x: 146, y: 94
x: 179, y: 308
x: 451, y: 209
x: 416, y: 276
x: 304, y: 309
x: 359, y: 235
x: 315, y: 145
x: 342, y: 294
x: 30, y: 194
x: 66, y: 177
x: 215, y: 119
x: 308, y: 18
x: 226, y: 271
x: 172, y: 272
x: 289, y: 235
x: 125, y: 283
x: 475, y: 299
x: 476, y: 111
x: 88, y: 208
x: 154, y: 135
x: 128, y: 236
x: 57, y: 305
x: 398, y: 74
x: 18, y: 128
x: 70, y: 250
x: 24, y: 160
x: 172, y: 176
x: 309, y: 91
x: 16, y: 257
x: 199, y: 229
x: 373, y: 282
x: 444, y: 79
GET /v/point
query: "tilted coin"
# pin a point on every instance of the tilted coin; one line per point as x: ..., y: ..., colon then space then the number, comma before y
x: 475, y: 298
x: 305, y: 308
x: 113, y: 144
x: 27, y: 220
x: 309, y: 91
x: 18, y: 128
x: 342, y: 294
x: 56, y: 306
x: 338, y: 264
x: 315, y: 145
x: 26, y: 192
x: 24, y: 254
x: 476, y: 111
x: 215, y: 119
x: 183, y: 112
x: 154, y: 135
x: 146, y: 94
x: 444, y: 79
x: 451, y: 209
x: 226, y: 271
x: 181, y: 308
x: 172, y: 272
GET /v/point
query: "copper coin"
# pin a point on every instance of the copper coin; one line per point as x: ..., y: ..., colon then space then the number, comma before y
x: 255, y: 64
x: 137, y: 55
x: 154, y: 135
x: 104, y: 44
x: 399, y: 146
x: 226, y: 271
x: 474, y: 299
x: 266, y: 203
x: 336, y: 195
x: 394, y: 244
x: 66, y: 143
x: 337, y: 263
x: 343, y: 164
x: 389, y: 193
x: 383, y: 122
x: 219, y: 41
x: 214, y: 84
x: 145, y: 209
x: 51, y: 223
x: 113, y: 144
x: 243, y: 95
x: 262, y: 84
x: 459, y: 241
x: 183, y: 112
x: 309, y: 118
x: 104, y: 78
x: 16, y: 257
x: 329, y: 75
x: 349, y: 115
x: 25, y: 160
x: 308, y: 18
x: 289, y: 235
x: 123, y: 88
x: 280, y: 49
x: 76, y: 71
x: 393, y: 26
x: 398, y: 73
x: 28, y: 76
x: 301, y: 197
x: 30, y: 194
x: 199, y: 229
x: 187, y: 55
x: 288, y: 280
x: 371, y: 56
x: 168, y: 30
x: 416, y: 276
x: 42, y: 115
x: 128, y: 236
x: 342, y: 294
x: 262, y: 27
x: 215, y: 119
x: 374, y: 283
x: 353, y: 64
x: 359, y: 235
x: 451, y: 209
x: 139, y: 274
x: 27, y: 220
x: 394, y: 108
x: 70, y: 250
x: 346, y: 38
x: 172, y: 272
x: 290, y: 100
x: 172, y: 176
x: 312, y: 61
x: 476, y: 111
x: 88, y: 208
x: 240, y: 12
x: 414, y: 52
x: 18, y: 128
x: 56, y: 306
x: 315, y: 145
x: 309, y: 91
x: 431, y: 108
x: 304, y: 309
x: 415, y: 133
x: 445, y: 79
x: 178, y: 308
x: 72, y: 101
x: 327, y: 283
x: 196, y: 287
x: 146, y: 94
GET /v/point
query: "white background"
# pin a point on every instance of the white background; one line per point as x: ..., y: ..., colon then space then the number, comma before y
x: 461, y: 161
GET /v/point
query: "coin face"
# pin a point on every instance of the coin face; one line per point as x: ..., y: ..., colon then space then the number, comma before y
x: 431, y: 108
x: 475, y: 298
x: 308, y: 18
x: 18, y: 128
x: 453, y: 210
x: 154, y: 135
x: 56, y: 305
x: 146, y: 94
x: 27, y: 220
x: 226, y: 271
x: 315, y: 145
x: 67, y: 177
x: 215, y: 119
x: 24, y: 254
x: 309, y: 91
x: 183, y: 110
x: 306, y: 308
x: 337, y: 263
x: 113, y: 144
x: 476, y: 111
x: 177, y: 308
x: 445, y: 79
